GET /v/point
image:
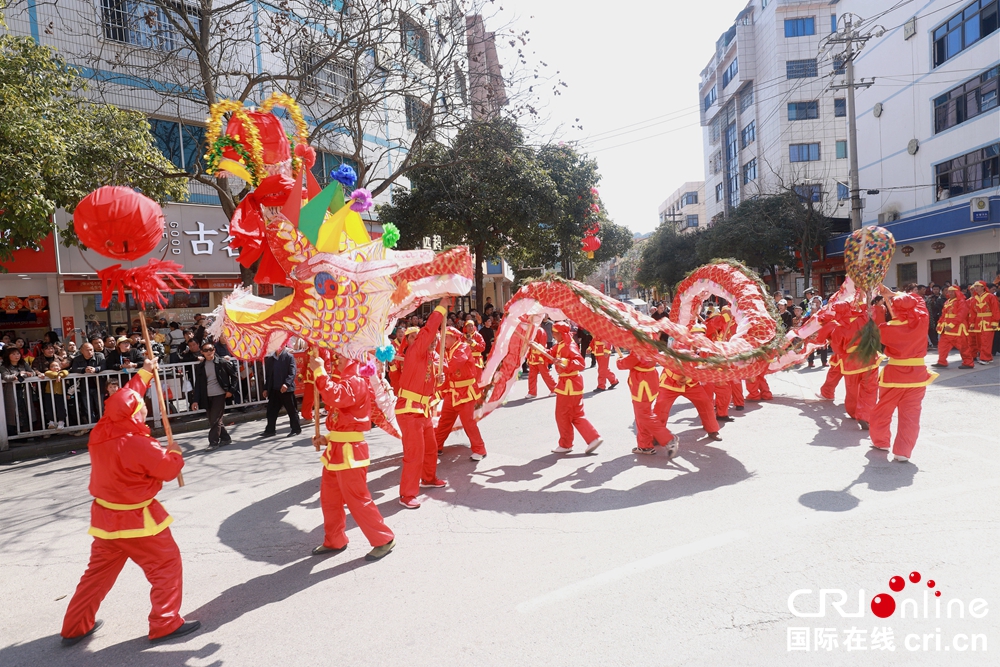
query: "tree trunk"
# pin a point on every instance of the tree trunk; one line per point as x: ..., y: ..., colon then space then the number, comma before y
x: 477, y: 271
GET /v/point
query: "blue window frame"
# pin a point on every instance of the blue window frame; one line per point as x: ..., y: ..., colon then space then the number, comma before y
x: 749, y: 134
x: 731, y: 72
x: 843, y: 192
x: 839, y: 107
x: 977, y: 20
x: 810, y: 192
x: 976, y: 96
x: 803, y: 110
x: 842, y: 149
x: 833, y: 23
x: 180, y: 143
x: 800, y: 27
x: 803, y: 152
x: 801, y: 69
x: 750, y: 171
x: 710, y: 98
x: 692, y: 221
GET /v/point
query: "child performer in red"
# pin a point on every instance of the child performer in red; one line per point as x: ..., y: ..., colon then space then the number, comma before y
x: 538, y: 366
x: 984, y: 314
x: 606, y: 378
x: 717, y: 328
x: 417, y: 385
x: 953, y: 329
x: 395, y: 367
x: 903, y: 382
x: 860, y: 377
x: 128, y: 468
x: 460, y: 394
x: 642, y: 380
x: 345, y: 461
x: 569, y: 393
x: 476, y: 345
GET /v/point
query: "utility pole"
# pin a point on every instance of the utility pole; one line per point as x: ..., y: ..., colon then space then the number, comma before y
x: 848, y: 38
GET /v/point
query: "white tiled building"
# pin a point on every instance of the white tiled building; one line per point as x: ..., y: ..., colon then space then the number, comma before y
x: 685, y: 208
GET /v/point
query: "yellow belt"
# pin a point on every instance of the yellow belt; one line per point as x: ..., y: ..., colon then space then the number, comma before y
x: 645, y: 370
x: 414, y: 396
x: 569, y: 375
x: 912, y: 361
x: 345, y: 436
x: 464, y: 383
x: 123, y: 508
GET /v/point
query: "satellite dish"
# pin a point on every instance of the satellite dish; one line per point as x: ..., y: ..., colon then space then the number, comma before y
x: 913, y: 147
x: 878, y: 109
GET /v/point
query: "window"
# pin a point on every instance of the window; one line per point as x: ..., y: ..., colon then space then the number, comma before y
x: 833, y: 23
x: 803, y: 152
x: 710, y: 98
x: 800, y: 27
x: 415, y: 41
x: 749, y: 134
x: 975, y: 96
x: 801, y: 69
x: 731, y: 72
x: 147, y: 24
x: 692, y: 221
x: 979, y: 267
x: 813, y: 192
x: 417, y: 113
x: 180, y: 143
x: 330, y: 78
x: 716, y: 162
x: 906, y: 274
x: 839, y: 64
x: 689, y: 198
x: 715, y: 131
x: 732, y: 165
x: 842, y: 149
x: 750, y: 171
x: 719, y: 191
x: 964, y: 29
x: 839, y: 107
x: 328, y: 162
x: 971, y: 172
x: 746, y: 98
x: 803, y: 110
x: 843, y: 192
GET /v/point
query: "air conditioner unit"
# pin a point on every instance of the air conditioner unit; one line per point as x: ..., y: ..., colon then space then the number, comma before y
x: 891, y: 216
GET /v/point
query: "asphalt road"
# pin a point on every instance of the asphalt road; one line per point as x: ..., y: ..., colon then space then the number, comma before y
x: 528, y: 558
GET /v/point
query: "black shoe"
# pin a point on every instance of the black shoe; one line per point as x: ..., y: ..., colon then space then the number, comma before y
x: 614, y: 386
x: 185, y: 629
x: 293, y: 433
x: 600, y: 389
x: 863, y: 424
x: 213, y: 446
x: 268, y: 434
x: 738, y: 408
x: 72, y: 641
x: 323, y: 549
x: 727, y: 418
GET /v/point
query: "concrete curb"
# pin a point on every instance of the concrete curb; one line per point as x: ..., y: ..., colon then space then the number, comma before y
x: 70, y: 443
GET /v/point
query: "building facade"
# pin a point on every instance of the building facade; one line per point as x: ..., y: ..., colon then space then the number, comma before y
x: 771, y: 122
x: 685, y: 208
x: 929, y: 138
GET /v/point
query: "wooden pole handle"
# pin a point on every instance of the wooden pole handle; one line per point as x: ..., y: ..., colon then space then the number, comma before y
x: 159, y: 392
x: 316, y: 398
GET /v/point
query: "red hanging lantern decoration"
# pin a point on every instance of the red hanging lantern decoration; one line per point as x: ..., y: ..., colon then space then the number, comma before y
x: 590, y: 245
x: 119, y: 223
x: 273, y: 139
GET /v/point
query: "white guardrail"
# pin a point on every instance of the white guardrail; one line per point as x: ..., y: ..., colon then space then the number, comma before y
x: 39, y: 407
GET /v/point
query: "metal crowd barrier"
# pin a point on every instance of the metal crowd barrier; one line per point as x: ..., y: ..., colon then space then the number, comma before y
x: 44, y: 407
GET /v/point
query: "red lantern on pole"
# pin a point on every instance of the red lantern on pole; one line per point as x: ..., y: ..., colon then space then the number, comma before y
x: 590, y: 245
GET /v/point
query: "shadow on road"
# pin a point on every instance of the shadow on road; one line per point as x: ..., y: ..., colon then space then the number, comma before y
x: 48, y: 651
x: 878, y: 475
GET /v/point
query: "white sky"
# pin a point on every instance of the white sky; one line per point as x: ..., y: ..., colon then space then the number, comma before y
x: 627, y: 62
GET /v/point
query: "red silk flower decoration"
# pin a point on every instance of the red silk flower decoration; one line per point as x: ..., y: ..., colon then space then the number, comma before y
x: 247, y: 228
x: 273, y: 139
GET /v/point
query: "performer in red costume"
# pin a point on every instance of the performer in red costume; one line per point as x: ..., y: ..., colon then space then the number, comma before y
x: 345, y: 460
x: 984, y: 314
x: 395, y: 366
x: 460, y: 393
x: 860, y: 377
x: 904, y: 380
x: 569, y: 392
x: 606, y: 378
x: 649, y: 430
x: 303, y: 361
x: 674, y: 385
x: 953, y: 329
x: 417, y: 384
x: 538, y: 366
x: 128, y: 468
x: 476, y: 346
x: 717, y: 328
x: 758, y: 389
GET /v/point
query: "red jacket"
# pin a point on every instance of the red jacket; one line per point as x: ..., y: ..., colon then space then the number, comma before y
x: 642, y: 378
x: 536, y: 358
x: 569, y: 383
x: 718, y: 328
x: 672, y: 381
x: 599, y: 348
x: 417, y: 379
x: 460, y: 374
x: 476, y: 347
x: 904, y: 341
x: 348, y: 402
x: 128, y: 468
x: 954, y: 317
x: 984, y: 313
x: 843, y: 342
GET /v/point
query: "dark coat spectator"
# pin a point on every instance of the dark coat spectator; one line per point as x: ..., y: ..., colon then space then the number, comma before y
x: 279, y: 389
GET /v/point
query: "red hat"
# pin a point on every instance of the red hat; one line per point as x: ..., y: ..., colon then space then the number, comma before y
x: 981, y: 283
x: 452, y: 331
x: 561, y: 327
x: 469, y: 323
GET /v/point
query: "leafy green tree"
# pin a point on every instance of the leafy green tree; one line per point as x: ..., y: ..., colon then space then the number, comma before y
x: 491, y: 196
x: 616, y: 241
x: 667, y: 257
x: 55, y: 147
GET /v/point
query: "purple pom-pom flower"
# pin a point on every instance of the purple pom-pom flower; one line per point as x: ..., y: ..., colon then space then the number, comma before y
x: 361, y: 200
x: 367, y: 369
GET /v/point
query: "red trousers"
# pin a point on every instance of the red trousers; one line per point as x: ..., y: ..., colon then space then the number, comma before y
x: 758, y: 389
x: 569, y: 414
x: 908, y: 401
x: 604, y: 373
x: 723, y: 394
x: 465, y: 412
x: 160, y: 560
x: 647, y: 427
x: 308, y: 394
x: 698, y: 397
x: 960, y: 343
x: 350, y: 487
x: 833, y: 376
x: 736, y: 387
x: 862, y: 392
x: 535, y: 370
x: 419, y: 453
x: 981, y: 343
